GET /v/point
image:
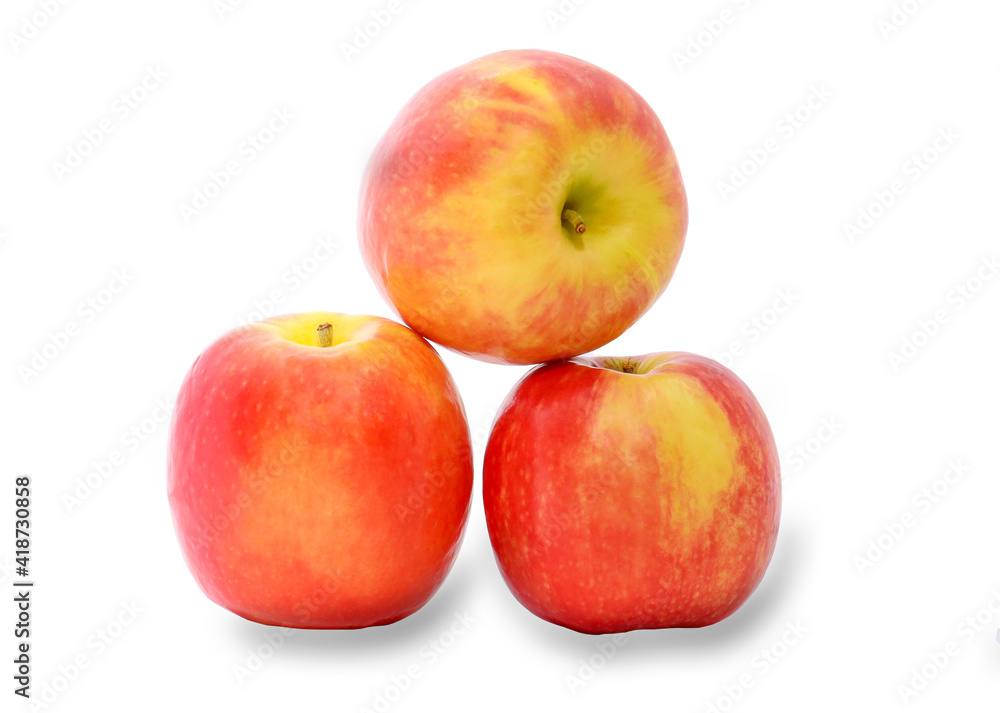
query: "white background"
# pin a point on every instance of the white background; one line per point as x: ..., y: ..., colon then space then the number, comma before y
x: 825, y: 359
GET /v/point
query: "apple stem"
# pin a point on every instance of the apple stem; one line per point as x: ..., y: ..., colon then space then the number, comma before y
x: 324, y: 333
x: 573, y: 218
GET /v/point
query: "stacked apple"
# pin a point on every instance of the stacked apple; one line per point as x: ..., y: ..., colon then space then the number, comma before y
x: 524, y: 208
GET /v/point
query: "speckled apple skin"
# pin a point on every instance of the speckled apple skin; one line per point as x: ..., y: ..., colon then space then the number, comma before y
x: 320, y: 487
x: 619, y: 501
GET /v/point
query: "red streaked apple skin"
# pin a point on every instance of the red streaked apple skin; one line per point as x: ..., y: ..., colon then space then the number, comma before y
x: 460, y: 213
x: 619, y: 501
x: 318, y: 487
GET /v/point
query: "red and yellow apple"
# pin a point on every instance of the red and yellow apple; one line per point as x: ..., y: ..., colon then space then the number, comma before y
x: 632, y: 493
x: 522, y: 208
x: 320, y: 471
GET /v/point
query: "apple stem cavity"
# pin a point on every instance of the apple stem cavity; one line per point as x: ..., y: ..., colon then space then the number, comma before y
x: 573, y: 218
x: 324, y: 333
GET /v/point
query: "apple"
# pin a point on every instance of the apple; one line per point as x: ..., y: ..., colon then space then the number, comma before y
x: 320, y: 471
x: 632, y: 492
x: 524, y: 207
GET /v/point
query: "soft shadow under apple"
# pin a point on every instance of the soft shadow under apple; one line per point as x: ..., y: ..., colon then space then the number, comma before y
x: 409, y: 633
